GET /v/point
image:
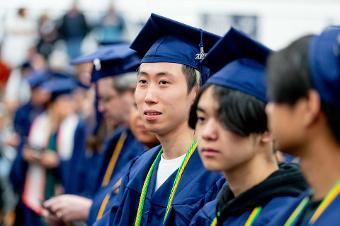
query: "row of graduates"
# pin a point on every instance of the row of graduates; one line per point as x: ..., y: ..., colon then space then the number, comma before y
x: 220, y: 127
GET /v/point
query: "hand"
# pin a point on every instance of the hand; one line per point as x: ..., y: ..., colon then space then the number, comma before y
x: 69, y: 208
x: 31, y: 155
x: 49, y: 159
x: 51, y: 218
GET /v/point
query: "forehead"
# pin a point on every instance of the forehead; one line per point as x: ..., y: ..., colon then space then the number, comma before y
x: 207, y: 101
x: 161, y: 68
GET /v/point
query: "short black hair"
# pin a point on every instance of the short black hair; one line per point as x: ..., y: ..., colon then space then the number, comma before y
x: 288, y: 73
x: 192, y: 77
x: 289, y: 79
x: 240, y: 113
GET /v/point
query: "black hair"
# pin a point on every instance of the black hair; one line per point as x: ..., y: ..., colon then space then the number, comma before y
x: 288, y: 73
x: 289, y: 79
x: 192, y: 77
x: 240, y: 113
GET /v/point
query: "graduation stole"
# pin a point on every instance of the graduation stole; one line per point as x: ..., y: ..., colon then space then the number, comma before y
x: 109, y: 171
x: 114, y: 158
x: 179, y: 174
x: 252, y: 217
x: 40, y: 133
x: 330, y: 197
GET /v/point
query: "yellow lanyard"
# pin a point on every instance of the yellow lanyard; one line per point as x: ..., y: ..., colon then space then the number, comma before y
x: 252, y: 217
x: 174, y: 187
x: 114, y: 158
x: 109, y: 172
x: 334, y: 192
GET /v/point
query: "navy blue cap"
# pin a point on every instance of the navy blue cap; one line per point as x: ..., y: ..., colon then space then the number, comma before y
x: 111, y: 61
x: 37, y: 78
x: 240, y: 64
x: 119, y: 50
x: 165, y: 40
x: 59, y: 86
x: 324, y: 61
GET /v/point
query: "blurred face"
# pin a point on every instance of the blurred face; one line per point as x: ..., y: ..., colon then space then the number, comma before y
x: 162, y: 97
x: 139, y: 130
x: 83, y: 72
x: 64, y: 106
x: 113, y: 106
x: 220, y: 149
x: 286, y: 125
x: 39, y: 96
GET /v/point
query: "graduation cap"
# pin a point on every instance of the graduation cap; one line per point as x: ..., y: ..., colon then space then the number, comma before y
x: 324, y: 64
x: 165, y: 40
x: 239, y: 61
x: 111, y: 61
x: 36, y: 78
x: 59, y: 86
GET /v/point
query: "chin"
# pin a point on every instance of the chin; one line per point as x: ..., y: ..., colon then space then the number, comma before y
x: 212, y: 165
x: 287, y: 148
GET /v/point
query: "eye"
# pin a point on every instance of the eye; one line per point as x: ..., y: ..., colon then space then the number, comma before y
x: 164, y: 82
x: 200, y: 119
x: 142, y: 82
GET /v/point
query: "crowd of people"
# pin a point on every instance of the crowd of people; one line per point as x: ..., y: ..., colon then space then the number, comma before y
x: 179, y: 127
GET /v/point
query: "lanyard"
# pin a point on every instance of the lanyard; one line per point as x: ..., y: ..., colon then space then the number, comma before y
x: 114, y: 158
x: 252, y: 217
x: 334, y: 192
x: 174, y: 186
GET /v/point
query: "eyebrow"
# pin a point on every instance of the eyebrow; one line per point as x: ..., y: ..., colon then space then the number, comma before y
x: 200, y: 109
x: 159, y: 74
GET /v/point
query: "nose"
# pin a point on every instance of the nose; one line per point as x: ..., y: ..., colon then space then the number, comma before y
x: 209, y: 131
x: 151, y: 95
x: 269, y: 108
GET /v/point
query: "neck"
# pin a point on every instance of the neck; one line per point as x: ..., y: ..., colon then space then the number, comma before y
x: 249, y: 174
x: 177, y: 142
x: 320, y: 165
x: 55, y: 119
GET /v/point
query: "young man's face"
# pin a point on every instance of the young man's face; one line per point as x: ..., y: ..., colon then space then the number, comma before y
x: 286, y: 123
x: 162, y: 97
x: 220, y: 149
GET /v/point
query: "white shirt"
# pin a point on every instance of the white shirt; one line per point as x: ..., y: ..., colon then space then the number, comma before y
x: 166, y: 167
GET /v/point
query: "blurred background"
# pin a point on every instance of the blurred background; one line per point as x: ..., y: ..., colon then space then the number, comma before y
x: 44, y: 35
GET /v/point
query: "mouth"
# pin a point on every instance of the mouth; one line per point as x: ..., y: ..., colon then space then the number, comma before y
x: 151, y: 115
x: 209, y: 152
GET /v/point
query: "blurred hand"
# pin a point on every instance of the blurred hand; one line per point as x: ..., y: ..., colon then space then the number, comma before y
x: 69, y: 208
x: 31, y: 155
x: 51, y: 219
x: 49, y: 159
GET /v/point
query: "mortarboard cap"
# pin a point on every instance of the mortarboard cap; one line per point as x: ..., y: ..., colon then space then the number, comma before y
x: 36, y: 78
x: 59, y: 86
x: 324, y: 63
x: 165, y: 40
x: 239, y: 61
x: 112, y: 60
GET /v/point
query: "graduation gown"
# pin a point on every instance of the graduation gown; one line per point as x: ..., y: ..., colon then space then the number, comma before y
x: 196, y: 187
x: 66, y: 172
x: 24, y: 117
x: 330, y: 216
x: 130, y: 150
x: 278, y: 190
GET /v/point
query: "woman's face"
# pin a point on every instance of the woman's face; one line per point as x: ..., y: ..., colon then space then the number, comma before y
x: 138, y: 129
x: 220, y: 149
x: 64, y: 105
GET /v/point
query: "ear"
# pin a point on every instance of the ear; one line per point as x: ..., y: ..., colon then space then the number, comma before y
x: 193, y: 93
x: 266, y: 137
x: 313, y: 108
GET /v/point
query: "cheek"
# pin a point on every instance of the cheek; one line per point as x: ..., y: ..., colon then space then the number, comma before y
x: 139, y: 95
